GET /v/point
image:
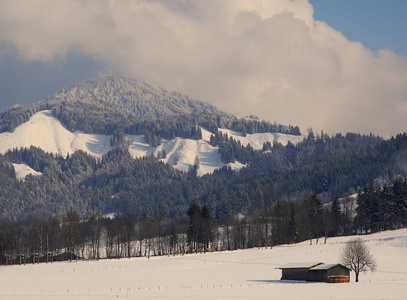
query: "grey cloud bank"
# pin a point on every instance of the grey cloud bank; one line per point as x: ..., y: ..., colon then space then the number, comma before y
x: 269, y: 58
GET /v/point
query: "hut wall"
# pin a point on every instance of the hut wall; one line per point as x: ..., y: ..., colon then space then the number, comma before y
x: 338, y: 270
x: 295, y: 274
x: 323, y: 275
x: 318, y: 275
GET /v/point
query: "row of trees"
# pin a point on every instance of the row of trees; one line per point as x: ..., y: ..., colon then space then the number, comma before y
x: 71, y: 237
x: 254, y: 125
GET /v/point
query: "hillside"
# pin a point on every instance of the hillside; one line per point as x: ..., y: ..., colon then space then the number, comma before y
x: 94, y: 173
x: 45, y: 131
x: 244, y: 274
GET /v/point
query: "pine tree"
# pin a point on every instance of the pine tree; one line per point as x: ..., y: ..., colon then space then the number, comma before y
x: 335, y: 218
x: 207, y: 234
x: 361, y: 219
x: 387, y: 209
x: 315, y: 217
x: 293, y: 225
x: 195, y: 220
x: 198, y: 134
x: 196, y: 162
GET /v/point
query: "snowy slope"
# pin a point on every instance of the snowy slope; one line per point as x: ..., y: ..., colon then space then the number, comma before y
x: 257, y: 140
x: 45, y: 131
x: 22, y: 170
x: 185, y: 150
x: 243, y: 274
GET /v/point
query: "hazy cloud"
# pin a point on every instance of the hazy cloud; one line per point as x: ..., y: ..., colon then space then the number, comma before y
x: 269, y: 58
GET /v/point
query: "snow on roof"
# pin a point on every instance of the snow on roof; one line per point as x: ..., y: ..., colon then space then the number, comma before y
x: 324, y: 267
x: 300, y: 265
x: 327, y: 267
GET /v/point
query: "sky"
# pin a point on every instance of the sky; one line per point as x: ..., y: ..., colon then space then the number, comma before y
x: 336, y: 66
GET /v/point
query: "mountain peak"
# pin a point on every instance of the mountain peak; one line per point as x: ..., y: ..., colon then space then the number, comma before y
x: 142, y: 98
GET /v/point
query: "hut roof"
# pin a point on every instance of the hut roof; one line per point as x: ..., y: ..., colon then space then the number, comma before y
x: 326, y: 267
x: 300, y: 265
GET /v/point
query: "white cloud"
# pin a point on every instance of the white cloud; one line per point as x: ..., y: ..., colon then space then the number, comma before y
x: 269, y: 58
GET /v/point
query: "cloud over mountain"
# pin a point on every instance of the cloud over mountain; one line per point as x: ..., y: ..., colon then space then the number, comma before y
x: 269, y: 58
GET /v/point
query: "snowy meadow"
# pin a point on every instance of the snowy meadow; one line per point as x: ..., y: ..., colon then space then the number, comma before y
x: 243, y: 274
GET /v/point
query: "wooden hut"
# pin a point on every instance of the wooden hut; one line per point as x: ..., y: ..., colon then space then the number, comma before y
x: 333, y: 273
x: 315, y: 271
x: 297, y: 271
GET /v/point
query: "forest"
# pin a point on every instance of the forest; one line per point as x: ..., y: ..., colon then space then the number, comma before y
x: 70, y: 237
x: 328, y: 166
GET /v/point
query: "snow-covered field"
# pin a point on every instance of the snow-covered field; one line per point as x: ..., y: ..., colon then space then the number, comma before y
x: 244, y: 274
x: 45, y: 131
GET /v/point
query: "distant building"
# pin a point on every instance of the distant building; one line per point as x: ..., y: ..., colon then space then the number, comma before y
x: 315, y: 271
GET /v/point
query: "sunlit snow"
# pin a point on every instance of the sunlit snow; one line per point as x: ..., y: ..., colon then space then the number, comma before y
x: 242, y: 274
x: 22, y: 170
x: 257, y: 140
x: 45, y: 131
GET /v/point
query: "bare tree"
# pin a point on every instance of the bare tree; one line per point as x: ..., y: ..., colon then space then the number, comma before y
x: 71, y: 233
x: 357, y: 257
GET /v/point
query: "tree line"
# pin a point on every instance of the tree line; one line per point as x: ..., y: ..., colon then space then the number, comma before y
x: 71, y: 237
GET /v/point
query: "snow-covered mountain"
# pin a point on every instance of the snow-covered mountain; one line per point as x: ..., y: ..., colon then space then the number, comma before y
x: 45, y: 131
x: 101, y: 104
x: 141, y: 98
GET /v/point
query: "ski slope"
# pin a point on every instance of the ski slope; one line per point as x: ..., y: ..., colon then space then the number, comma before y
x: 45, y: 131
x: 243, y: 274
